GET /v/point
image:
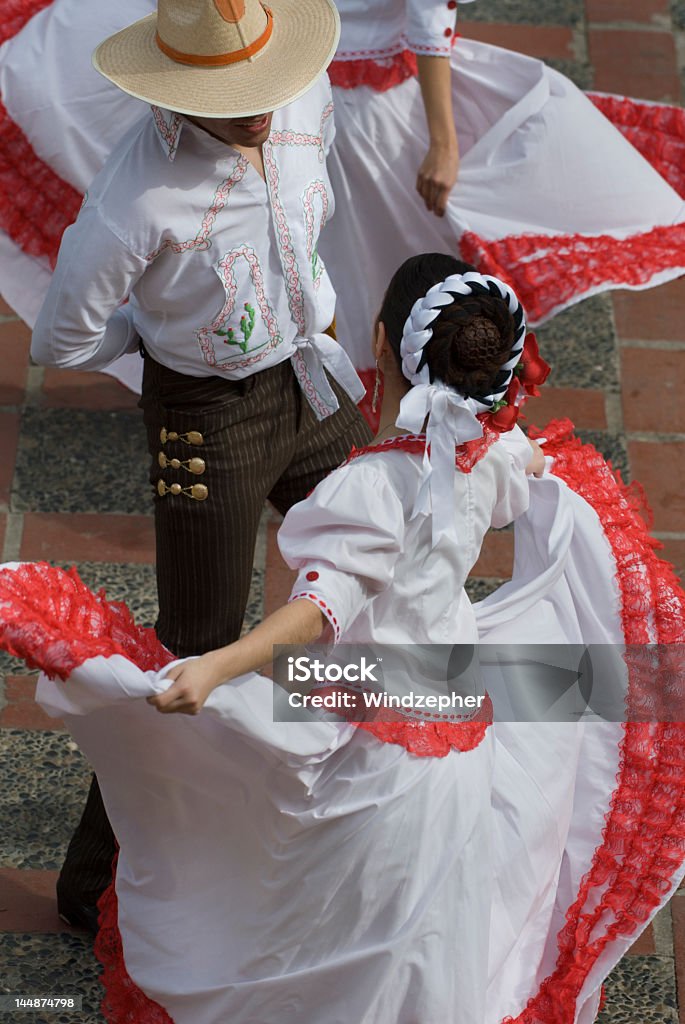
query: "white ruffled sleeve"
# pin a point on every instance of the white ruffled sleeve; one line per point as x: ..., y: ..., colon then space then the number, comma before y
x: 431, y: 26
x: 344, y: 539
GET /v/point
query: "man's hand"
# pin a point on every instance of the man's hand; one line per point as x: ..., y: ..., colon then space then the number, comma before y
x: 193, y: 681
x: 437, y: 176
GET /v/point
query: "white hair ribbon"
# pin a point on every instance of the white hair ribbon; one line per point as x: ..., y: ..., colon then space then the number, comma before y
x: 309, y: 359
x: 452, y: 418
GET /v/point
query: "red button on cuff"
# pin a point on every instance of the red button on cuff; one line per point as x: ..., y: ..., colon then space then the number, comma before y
x: 452, y: 5
x: 448, y: 33
x: 311, y: 576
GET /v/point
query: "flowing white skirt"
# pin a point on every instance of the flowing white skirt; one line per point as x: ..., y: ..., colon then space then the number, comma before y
x: 551, y: 196
x: 278, y: 871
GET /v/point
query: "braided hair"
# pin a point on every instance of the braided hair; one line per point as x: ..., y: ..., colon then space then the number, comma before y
x: 472, y: 337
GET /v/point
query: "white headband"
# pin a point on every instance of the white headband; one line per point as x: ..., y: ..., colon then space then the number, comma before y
x: 452, y: 418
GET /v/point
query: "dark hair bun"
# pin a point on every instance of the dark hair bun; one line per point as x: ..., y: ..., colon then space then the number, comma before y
x: 472, y: 337
x: 471, y: 340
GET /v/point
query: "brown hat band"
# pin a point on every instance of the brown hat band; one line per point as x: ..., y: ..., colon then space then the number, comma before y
x: 220, y: 60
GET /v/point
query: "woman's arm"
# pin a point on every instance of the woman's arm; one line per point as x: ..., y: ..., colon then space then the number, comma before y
x: 440, y: 168
x: 298, y: 623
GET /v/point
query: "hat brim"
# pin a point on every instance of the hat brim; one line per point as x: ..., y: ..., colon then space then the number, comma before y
x: 302, y: 45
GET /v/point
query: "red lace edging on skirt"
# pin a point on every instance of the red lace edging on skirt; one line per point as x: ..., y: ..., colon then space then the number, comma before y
x: 15, y: 13
x: 50, y: 619
x: 123, y: 1002
x: 36, y: 205
x: 643, y: 841
x: 657, y: 131
x: 433, y: 739
x: 380, y: 73
x: 548, y: 272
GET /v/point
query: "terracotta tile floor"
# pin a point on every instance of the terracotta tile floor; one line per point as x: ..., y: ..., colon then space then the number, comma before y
x: 87, y: 503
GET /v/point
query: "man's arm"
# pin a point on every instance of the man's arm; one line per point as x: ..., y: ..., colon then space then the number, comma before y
x: 81, y: 325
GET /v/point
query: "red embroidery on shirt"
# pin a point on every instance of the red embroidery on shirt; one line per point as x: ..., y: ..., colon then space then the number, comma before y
x: 201, y: 242
x: 285, y: 243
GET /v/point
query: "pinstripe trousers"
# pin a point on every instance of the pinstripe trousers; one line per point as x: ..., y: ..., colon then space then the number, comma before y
x: 243, y: 442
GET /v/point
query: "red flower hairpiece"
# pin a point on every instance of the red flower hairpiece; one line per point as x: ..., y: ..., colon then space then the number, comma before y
x: 528, y: 375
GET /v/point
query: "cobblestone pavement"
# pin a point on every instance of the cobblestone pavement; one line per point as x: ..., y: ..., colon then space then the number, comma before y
x: 73, y: 489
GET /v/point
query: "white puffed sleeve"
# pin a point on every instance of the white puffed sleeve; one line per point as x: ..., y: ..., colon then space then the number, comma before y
x: 513, y: 494
x: 345, y: 539
x: 431, y: 26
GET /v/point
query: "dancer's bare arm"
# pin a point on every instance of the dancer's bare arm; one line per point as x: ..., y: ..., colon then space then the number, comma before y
x: 298, y: 623
x: 440, y: 168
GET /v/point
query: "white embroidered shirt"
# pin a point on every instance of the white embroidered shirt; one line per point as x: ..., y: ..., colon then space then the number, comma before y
x: 220, y: 266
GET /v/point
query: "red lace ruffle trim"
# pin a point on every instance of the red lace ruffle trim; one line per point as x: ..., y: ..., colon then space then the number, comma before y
x: 50, y: 619
x: 643, y: 841
x: 432, y: 739
x: 548, y: 272
x: 466, y: 455
x: 655, y: 129
x: 15, y: 14
x: 123, y: 1002
x: 36, y: 206
x: 379, y: 73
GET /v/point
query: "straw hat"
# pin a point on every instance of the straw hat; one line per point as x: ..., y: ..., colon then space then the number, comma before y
x: 222, y: 58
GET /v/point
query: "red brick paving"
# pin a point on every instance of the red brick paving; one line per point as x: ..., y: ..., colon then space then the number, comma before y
x: 660, y: 468
x: 14, y: 345
x: 88, y: 537
x: 616, y: 10
x: 21, y: 711
x: 674, y: 552
x: 645, y: 944
x: 27, y: 902
x: 496, y: 557
x: 279, y: 578
x: 678, y: 918
x: 9, y: 436
x: 654, y: 315
x: 586, y: 408
x: 85, y: 391
x: 653, y: 385
x: 542, y: 41
x: 635, y: 63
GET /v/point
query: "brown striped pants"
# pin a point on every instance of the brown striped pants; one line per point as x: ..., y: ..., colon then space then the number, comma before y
x: 260, y: 440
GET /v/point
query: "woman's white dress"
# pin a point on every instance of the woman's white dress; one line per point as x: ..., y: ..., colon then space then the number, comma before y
x: 400, y: 871
x: 551, y: 196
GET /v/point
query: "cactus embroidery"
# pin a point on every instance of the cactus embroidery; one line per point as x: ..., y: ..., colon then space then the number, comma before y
x: 247, y: 322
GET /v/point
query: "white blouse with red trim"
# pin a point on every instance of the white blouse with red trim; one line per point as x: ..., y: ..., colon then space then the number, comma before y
x: 377, y: 29
x: 370, y: 566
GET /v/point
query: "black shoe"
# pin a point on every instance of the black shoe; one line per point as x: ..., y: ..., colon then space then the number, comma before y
x: 78, y: 915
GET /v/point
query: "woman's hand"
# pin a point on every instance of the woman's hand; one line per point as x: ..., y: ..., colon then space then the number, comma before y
x: 536, y: 466
x: 193, y: 681
x: 299, y: 622
x: 438, y: 175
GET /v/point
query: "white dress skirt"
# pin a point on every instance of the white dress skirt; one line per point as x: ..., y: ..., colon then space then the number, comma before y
x: 551, y: 196
x: 273, y: 872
